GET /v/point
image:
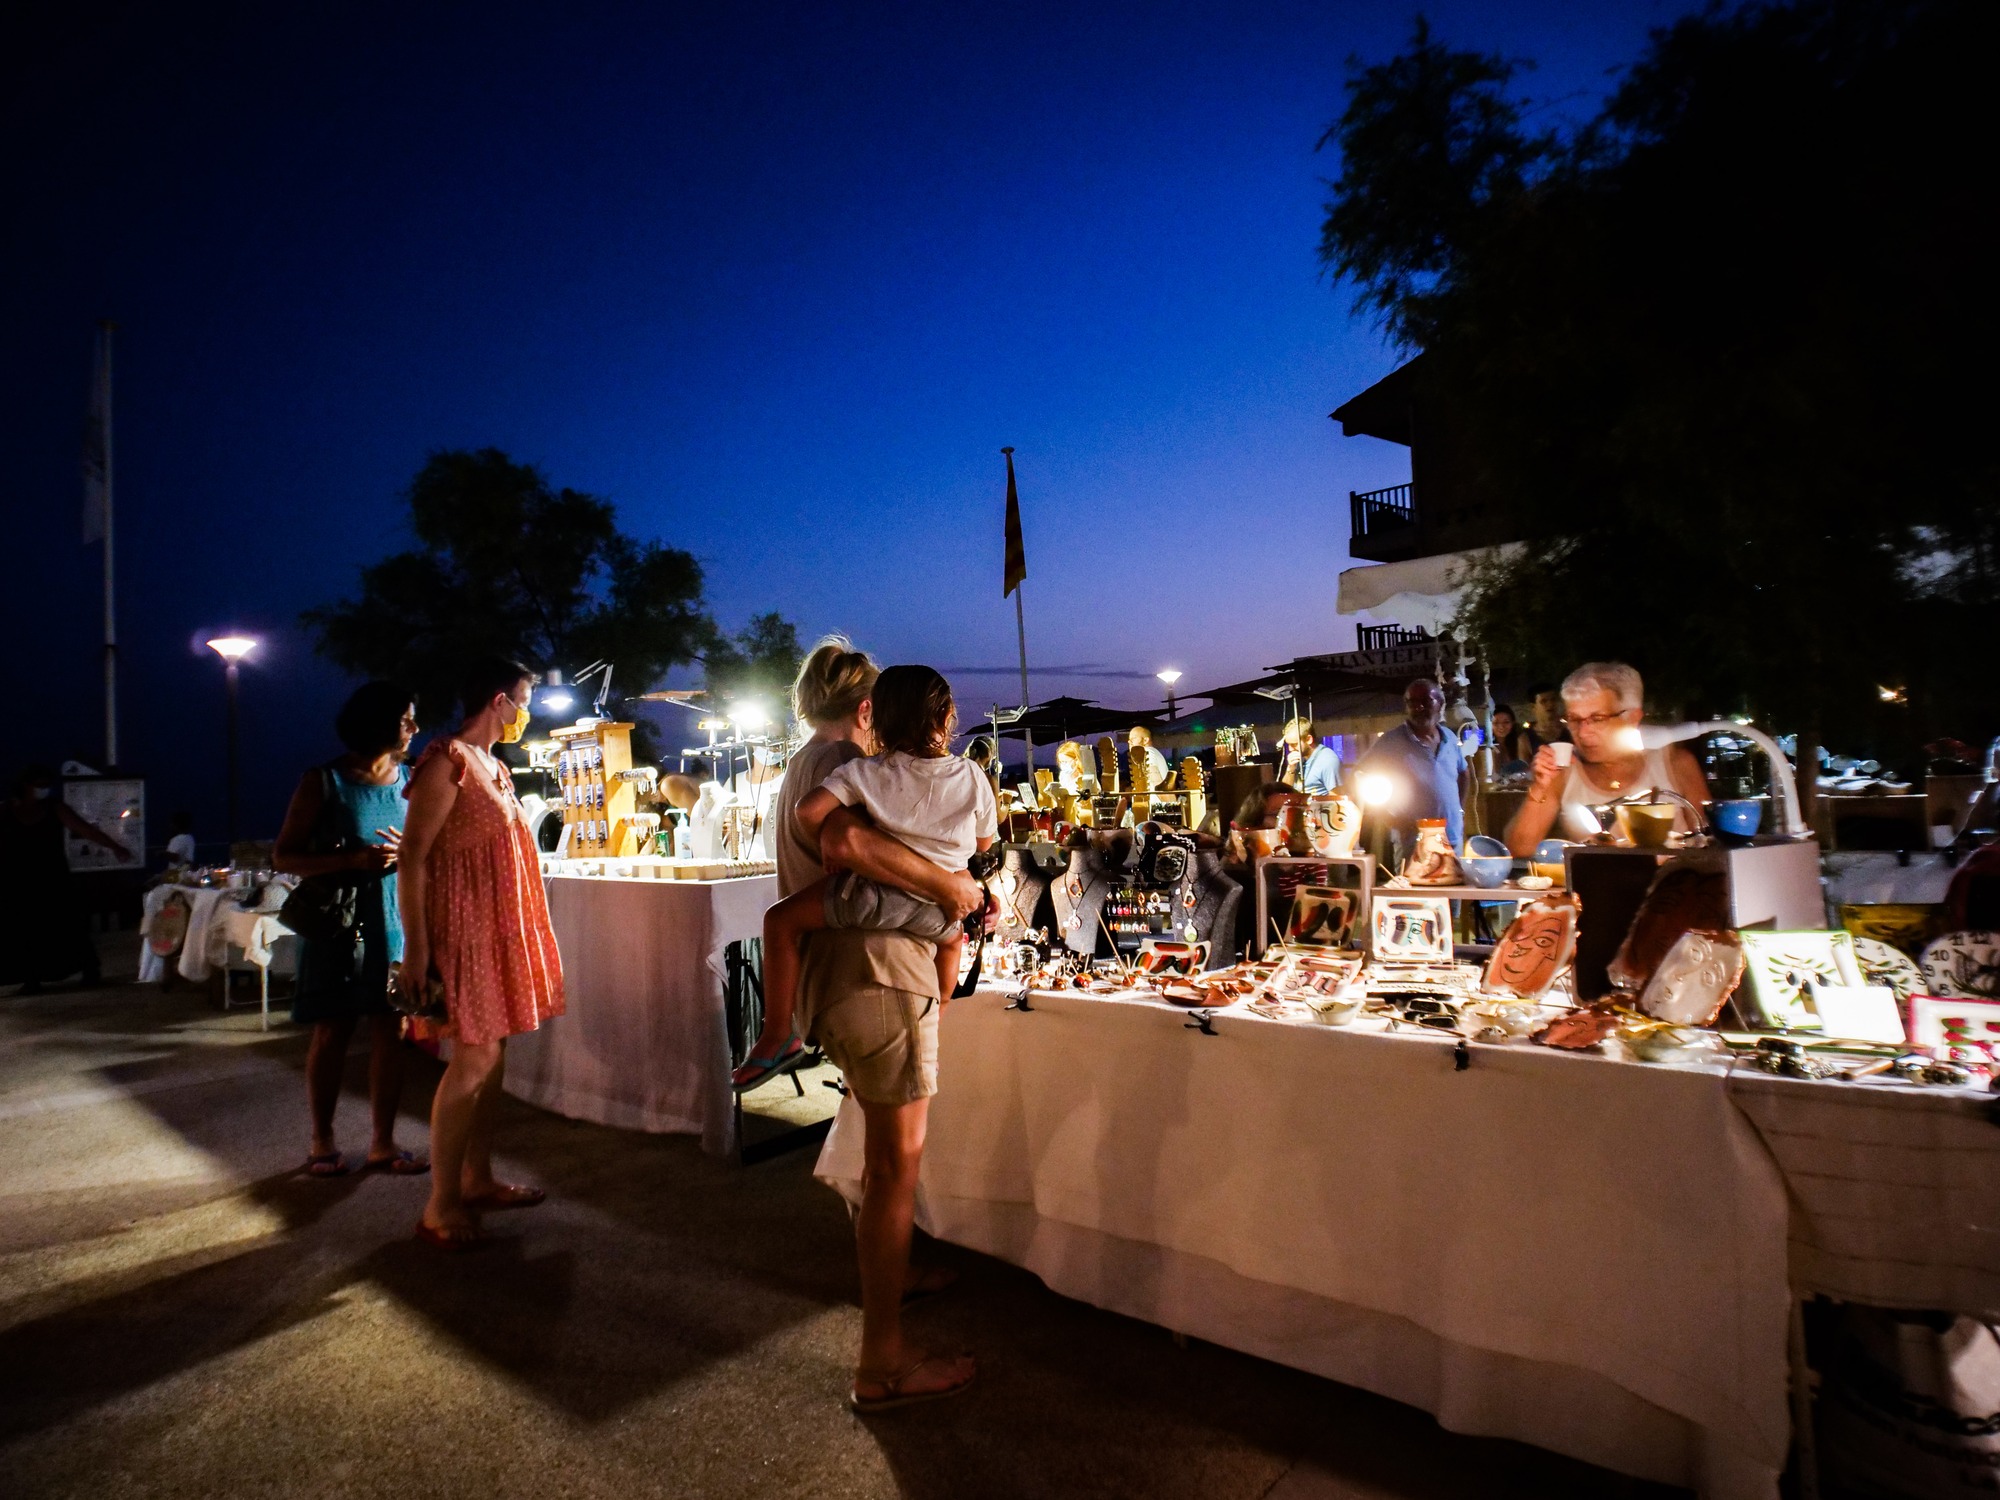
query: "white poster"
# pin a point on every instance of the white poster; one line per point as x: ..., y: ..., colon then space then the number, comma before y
x: 116, y: 806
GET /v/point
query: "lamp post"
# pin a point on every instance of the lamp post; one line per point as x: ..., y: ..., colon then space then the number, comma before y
x: 232, y: 649
x: 1170, y: 676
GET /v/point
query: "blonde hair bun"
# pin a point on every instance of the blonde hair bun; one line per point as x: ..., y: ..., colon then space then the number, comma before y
x: 833, y: 682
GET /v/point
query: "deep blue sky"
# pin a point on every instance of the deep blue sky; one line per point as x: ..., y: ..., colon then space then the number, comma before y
x: 778, y: 280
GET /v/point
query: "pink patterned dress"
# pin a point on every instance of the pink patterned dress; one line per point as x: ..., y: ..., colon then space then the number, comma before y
x: 488, y: 915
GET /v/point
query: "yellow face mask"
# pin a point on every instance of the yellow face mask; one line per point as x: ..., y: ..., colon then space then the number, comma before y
x: 511, y: 732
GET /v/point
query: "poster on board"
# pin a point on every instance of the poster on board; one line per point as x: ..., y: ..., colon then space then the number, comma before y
x: 117, y: 806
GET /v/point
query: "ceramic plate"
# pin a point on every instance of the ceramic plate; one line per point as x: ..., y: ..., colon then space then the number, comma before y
x: 1889, y: 967
x: 1535, y: 948
x: 1159, y: 956
x: 1694, y: 981
x: 1322, y: 916
x: 1964, y: 965
x: 1783, y: 967
x: 1412, y: 929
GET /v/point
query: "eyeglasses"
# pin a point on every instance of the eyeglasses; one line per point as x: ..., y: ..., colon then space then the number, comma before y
x: 1598, y: 721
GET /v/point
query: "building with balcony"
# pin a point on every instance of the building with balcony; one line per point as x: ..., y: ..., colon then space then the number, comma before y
x: 1418, y: 535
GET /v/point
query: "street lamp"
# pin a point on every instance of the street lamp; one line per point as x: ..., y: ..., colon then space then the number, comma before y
x: 232, y: 649
x: 1170, y: 676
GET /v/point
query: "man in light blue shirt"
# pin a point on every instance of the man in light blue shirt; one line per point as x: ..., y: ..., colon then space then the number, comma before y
x: 1313, y: 768
x: 1425, y: 768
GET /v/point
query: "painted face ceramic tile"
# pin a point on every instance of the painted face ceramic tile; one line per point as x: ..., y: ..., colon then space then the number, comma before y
x: 1333, y: 825
x: 1535, y: 948
x: 1695, y: 980
x: 1783, y: 966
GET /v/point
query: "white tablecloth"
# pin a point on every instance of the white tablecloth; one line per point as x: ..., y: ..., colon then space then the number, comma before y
x: 643, y: 1045
x: 1895, y: 1192
x: 1579, y: 1254
x: 217, y: 917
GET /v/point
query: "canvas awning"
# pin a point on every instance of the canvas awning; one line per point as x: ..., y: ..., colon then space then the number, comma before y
x: 1424, y: 592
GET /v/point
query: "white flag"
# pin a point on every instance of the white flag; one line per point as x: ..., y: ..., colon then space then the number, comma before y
x: 97, y: 447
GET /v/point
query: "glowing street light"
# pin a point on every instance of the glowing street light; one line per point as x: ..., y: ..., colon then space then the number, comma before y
x: 232, y: 649
x: 751, y: 716
x: 1169, y: 676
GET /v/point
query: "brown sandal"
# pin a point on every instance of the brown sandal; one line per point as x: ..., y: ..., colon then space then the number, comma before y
x: 895, y: 1392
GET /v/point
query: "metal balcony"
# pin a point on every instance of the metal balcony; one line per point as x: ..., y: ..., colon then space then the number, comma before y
x: 1374, y: 512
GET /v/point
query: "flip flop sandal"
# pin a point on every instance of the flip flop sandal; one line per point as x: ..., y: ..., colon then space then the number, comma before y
x: 402, y: 1164
x: 896, y: 1396
x: 451, y: 1240
x: 326, y: 1164
x: 504, y: 1197
x: 764, y: 1067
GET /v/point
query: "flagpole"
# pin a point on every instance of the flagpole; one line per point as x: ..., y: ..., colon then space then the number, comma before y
x: 110, y: 554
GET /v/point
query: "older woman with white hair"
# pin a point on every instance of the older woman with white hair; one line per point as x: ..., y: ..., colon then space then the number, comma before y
x: 1602, y: 705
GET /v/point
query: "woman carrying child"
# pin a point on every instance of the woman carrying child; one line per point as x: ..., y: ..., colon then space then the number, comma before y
x: 869, y: 994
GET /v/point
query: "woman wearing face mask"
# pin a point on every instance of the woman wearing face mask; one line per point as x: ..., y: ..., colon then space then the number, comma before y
x: 475, y: 916
x: 46, y: 938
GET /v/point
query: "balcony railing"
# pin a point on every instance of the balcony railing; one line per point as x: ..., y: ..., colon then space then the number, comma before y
x: 1387, y: 637
x: 1374, y: 512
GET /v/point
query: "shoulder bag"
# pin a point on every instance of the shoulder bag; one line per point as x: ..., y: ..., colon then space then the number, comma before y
x: 324, y: 908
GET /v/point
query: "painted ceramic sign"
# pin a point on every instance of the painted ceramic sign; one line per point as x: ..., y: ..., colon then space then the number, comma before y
x: 1535, y: 948
x: 1694, y: 981
x: 1956, y: 1029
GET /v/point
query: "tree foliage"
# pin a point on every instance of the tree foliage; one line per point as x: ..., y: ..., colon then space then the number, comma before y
x: 1720, y: 354
x: 759, y: 662
x: 505, y: 562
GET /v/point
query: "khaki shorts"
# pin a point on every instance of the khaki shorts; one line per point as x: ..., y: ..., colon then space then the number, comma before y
x: 885, y: 1041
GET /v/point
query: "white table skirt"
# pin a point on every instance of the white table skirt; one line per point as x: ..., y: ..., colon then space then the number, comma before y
x: 643, y: 1044
x: 1575, y: 1253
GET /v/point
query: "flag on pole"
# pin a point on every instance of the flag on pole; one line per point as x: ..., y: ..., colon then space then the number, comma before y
x: 1017, y: 550
x: 97, y: 448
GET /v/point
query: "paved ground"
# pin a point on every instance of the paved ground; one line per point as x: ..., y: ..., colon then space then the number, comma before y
x: 182, y: 1314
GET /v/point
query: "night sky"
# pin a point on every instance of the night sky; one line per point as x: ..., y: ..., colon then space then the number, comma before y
x: 779, y: 281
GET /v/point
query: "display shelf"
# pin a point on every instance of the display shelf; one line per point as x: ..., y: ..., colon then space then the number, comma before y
x: 597, y: 805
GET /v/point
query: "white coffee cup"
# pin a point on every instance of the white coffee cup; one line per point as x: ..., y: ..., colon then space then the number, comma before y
x: 1562, y: 750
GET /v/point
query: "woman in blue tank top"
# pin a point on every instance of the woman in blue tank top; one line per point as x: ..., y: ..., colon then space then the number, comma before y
x: 346, y: 820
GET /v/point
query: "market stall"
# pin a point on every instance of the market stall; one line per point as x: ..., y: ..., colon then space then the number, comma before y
x: 644, y: 1043
x: 1566, y: 1186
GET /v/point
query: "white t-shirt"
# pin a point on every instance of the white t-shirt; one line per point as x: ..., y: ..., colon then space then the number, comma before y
x: 940, y: 806
x: 180, y: 849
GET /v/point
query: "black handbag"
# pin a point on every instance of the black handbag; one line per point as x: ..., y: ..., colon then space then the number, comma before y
x: 325, y: 908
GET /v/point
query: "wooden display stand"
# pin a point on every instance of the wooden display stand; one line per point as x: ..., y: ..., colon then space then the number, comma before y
x: 597, y: 806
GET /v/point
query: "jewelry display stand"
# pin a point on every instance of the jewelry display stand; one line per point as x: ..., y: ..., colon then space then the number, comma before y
x: 1019, y: 887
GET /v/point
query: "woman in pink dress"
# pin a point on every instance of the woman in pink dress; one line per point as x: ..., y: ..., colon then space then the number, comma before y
x: 475, y: 915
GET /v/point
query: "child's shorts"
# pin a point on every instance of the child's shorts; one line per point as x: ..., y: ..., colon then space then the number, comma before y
x: 855, y: 901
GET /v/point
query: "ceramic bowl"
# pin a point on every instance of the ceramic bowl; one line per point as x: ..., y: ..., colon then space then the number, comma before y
x: 1487, y: 862
x: 1334, y: 1010
x: 1648, y: 824
x: 1548, y: 859
x: 1740, y: 819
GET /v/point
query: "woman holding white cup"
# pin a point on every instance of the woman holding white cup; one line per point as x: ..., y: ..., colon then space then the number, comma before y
x: 1603, y: 762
